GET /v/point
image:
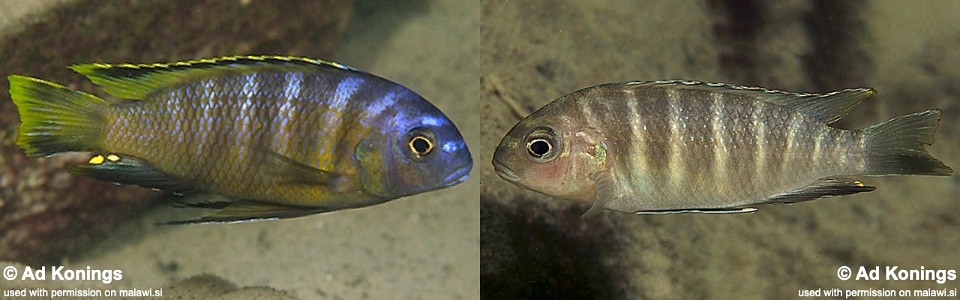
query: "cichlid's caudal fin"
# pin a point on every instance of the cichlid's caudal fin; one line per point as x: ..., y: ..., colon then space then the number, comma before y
x: 53, y: 118
x: 895, y: 147
x: 129, y: 81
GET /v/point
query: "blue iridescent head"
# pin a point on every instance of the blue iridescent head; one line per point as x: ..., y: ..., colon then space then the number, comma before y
x: 414, y: 148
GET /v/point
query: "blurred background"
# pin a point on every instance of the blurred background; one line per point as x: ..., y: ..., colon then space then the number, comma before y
x: 423, y: 246
x: 534, y: 246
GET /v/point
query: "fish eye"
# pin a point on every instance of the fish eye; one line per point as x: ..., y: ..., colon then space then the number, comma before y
x: 539, y: 147
x: 420, y: 143
x: 541, y: 144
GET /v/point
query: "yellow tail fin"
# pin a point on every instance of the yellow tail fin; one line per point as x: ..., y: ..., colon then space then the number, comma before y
x: 53, y: 118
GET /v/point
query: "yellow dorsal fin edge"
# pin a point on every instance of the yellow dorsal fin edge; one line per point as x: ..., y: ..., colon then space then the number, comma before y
x: 134, y: 81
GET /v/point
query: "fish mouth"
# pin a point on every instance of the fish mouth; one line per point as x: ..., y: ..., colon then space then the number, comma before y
x: 505, y: 172
x: 459, y: 175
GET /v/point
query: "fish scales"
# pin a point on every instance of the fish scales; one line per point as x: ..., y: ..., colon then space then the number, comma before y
x: 279, y: 136
x: 162, y: 115
x: 679, y: 134
x: 681, y: 146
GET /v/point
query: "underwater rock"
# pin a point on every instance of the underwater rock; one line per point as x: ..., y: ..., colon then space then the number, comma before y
x: 208, y: 286
x: 45, y: 212
x: 204, y: 286
x: 533, y: 250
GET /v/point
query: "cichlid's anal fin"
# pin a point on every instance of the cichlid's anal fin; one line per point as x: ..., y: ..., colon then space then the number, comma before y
x: 130, y: 170
x: 134, y: 81
x: 824, y: 187
x: 252, y: 210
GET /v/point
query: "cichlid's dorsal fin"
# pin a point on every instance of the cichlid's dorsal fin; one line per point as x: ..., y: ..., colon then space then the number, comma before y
x: 134, y: 81
x: 827, y: 108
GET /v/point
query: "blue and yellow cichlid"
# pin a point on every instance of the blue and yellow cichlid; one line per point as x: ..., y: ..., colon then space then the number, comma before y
x: 676, y: 146
x: 280, y: 137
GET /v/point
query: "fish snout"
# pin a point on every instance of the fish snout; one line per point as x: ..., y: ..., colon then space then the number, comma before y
x: 459, y: 175
x: 504, y: 172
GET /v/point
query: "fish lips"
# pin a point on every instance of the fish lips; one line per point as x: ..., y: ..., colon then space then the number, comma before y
x: 459, y: 175
x: 506, y: 173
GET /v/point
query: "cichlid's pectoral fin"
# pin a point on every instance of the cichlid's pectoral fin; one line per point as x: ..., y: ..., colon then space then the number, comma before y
x: 251, y: 210
x: 286, y: 170
x: 607, y: 191
x: 125, y: 169
x: 824, y: 187
x: 129, y: 81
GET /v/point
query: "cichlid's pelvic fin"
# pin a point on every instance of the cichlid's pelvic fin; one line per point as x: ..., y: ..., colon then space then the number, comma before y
x: 134, y: 81
x: 251, y: 210
x: 824, y: 187
x: 184, y: 202
x: 735, y: 210
x: 130, y: 170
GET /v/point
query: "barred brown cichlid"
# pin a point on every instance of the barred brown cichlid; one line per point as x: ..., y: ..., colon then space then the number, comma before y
x: 278, y: 136
x: 687, y: 146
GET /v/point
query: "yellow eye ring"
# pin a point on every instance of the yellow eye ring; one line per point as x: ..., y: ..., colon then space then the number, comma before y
x: 420, y: 145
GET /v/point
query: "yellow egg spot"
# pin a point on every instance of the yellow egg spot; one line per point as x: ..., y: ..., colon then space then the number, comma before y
x: 857, y: 183
x: 96, y: 160
x: 113, y: 158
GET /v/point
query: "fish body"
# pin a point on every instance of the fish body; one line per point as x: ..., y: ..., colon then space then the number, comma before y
x: 280, y: 136
x: 687, y: 146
